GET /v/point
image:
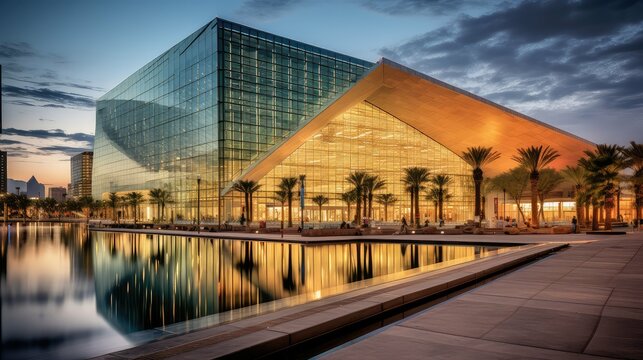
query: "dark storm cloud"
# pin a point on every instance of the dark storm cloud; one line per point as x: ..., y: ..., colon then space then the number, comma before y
x: 414, y: 7
x: 55, y: 97
x: 265, y: 9
x: 10, y: 50
x: 551, y: 53
x: 66, y: 150
x: 10, y: 142
x: 50, y: 134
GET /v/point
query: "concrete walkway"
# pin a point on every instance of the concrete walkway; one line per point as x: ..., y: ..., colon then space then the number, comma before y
x: 583, y: 302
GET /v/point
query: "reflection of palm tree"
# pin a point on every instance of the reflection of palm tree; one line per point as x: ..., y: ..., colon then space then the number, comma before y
x: 288, y: 282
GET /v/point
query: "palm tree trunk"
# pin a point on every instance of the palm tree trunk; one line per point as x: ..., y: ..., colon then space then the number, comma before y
x: 534, y: 199
x: 609, y: 205
x: 370, y: 206
x: 247, y: 202
x: 358, y: 208
x: 365, y: 205
x: 477, y: 181
x: 435, y: 211
x: 385, y: 212
x: 594, y: 217
x: 440, y: 209
x: 320, y: 217
x: 250, y: 212
x: 417, y: 207
x: 412, y: 208
x: 289, y: 210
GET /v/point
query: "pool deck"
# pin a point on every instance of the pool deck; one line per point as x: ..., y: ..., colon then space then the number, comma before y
x: 584, y: 300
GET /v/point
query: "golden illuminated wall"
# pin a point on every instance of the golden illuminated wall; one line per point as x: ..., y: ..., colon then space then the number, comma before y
x: 368, y: 139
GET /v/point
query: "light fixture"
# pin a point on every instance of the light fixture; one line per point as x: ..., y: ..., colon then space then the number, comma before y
x: 442, y: 232
x: 413, y: 232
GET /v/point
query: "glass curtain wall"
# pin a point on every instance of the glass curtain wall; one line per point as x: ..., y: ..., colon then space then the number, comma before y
x: 267, y: 86
x: 158, y: 129
x: 365, y: 138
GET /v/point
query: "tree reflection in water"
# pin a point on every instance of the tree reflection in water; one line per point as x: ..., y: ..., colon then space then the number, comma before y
x: 144, y: 281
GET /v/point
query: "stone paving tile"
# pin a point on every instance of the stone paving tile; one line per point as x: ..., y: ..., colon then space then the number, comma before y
x: 509, y: 288
x: 575, y: 293
x: 460, y: 317
x: 626, y: 298
x: 564, y: 306
x: 618, y: 337
x: 551, y: 329
x: 405, y: 343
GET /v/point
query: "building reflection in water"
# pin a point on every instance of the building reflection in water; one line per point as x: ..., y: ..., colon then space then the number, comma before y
x: 146, y: 281
x: 48, y: 294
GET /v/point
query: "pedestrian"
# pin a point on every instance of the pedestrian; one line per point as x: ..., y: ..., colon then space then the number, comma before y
x: 404, y: 228
x: 574, y: 222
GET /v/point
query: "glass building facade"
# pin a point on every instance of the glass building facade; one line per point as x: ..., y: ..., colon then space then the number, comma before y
x: 213, y: 104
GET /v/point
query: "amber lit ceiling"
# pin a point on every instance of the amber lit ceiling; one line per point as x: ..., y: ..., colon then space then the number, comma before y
x: 453, y: 117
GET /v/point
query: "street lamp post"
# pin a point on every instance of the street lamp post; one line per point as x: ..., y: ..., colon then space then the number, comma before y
x: 504, y: 201
x: 198, y: 204
x: 302, y: 197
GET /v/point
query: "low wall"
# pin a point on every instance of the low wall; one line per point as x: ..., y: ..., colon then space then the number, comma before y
x: 330, y: 232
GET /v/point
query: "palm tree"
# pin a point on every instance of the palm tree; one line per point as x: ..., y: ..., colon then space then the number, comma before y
x: 134, y: 199
x: 634, y: 155
x: 578, y: 177
x: 358, y: 180
x: 22, y: 203
x: 247, y: 187
x: 281, y: 196
x: 373, y: 183
x: 113, y: 201
x: 287, y: 185
x: 320, y: 200
x: 432, y: 195
x: 160, y: 197
x: 549, y: 180
x: 477, y: 157
x: 441, y: 182
x: 514, y: 182
x: 49, y: 205
x: 534, y: 159
x: 86, y: 204
x: 386, y: 200
x: 415, y: 178
x: 349, y: 198
x: 603, y: 166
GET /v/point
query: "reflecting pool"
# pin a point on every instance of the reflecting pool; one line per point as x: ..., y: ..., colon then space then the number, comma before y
x: 70, y: 293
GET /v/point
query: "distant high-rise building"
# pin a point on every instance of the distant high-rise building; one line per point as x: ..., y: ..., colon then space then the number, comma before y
x: 57, y: 193
x: 3, y: 172
x: 35, y: 189
x: 81, y: 174
x: 16, y: 186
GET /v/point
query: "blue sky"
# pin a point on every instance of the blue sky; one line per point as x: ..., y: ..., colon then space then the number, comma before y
x: 576, y: 65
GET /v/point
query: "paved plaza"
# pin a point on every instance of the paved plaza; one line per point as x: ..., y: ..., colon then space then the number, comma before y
x: 582, y: 302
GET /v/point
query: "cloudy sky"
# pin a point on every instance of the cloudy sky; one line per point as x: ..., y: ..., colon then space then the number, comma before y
x: 577, y: 65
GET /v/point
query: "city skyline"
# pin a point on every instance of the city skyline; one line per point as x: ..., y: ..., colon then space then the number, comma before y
x: 52, y: 73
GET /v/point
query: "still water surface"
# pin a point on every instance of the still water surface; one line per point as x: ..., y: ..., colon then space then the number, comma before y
x: 70, y: 293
